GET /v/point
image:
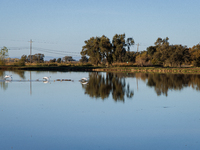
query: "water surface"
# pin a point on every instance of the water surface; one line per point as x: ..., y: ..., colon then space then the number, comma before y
x: 111, y: 111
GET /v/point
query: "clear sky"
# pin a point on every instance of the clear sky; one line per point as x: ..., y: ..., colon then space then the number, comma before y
x: 60, y: 27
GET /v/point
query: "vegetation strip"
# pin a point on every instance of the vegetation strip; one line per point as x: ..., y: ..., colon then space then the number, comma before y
x: 150, y: 70
x: 100, y: 51
x: 108, y: 69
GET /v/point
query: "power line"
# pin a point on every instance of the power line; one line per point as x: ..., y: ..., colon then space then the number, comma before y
x: 59, y: 53
x: 17, y: 48
x: 43, y: 49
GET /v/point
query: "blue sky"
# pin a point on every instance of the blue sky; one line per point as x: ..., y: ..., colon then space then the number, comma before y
x: 60, y: 27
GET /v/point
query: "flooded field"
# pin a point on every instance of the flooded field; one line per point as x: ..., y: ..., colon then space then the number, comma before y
x: 106, y: 111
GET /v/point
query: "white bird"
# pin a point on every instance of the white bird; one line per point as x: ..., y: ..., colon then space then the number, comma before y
x: 47, y: 78
x: 8, y: 77
x: 84, y: 80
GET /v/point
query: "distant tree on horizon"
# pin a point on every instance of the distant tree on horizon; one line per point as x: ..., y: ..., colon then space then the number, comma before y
x: 68, y: 59
x: 3, y: 55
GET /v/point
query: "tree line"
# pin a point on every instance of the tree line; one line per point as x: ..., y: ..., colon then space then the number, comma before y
x: 36, y: 58
x: 100, y: 50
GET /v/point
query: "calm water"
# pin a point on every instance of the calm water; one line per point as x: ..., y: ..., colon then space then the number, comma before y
x: 111, y: 111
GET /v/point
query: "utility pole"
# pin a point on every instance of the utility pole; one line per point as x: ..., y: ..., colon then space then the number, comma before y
x: 30, y: 49
x: 138, y: 47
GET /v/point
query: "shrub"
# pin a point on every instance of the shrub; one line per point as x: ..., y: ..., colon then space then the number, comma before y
x: 53, y: 65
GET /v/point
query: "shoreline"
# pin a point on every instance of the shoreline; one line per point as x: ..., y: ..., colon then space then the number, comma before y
x: 103, y: 69
x: 151, y: 70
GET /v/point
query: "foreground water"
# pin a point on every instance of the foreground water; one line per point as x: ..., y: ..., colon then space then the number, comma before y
x: 111, y: 111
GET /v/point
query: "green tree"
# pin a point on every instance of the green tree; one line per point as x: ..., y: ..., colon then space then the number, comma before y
x: 92, y: 49
x: 118, y: 44
x: 179, y: 55
x: 52, y: 60
x: 143, y: 58
x: 129, y: 57
x: 121, y: 47
x: 195, y: 55
x: 23, y: 60
x: 39, y: 58
x: 151, y: 50
x: 162, y: 50
x: 83, y: 59
x: 68, y: 58
x: 106, y: 48
x: 58, y: 60
x: 3, y: 55
x: 100, y: 48
x: 129, y: 42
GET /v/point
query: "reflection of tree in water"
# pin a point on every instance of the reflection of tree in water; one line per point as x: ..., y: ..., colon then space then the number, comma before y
x: 164, y: 82
x: 20, y: 73
x: 4, y: 85
x: 161, y: 83
x: 100, y: 86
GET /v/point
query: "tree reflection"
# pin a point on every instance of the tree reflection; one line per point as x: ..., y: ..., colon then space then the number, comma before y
x: 100, y: 86
x: 164, y: 82
x: 21, y: 73
x: 4, y: 84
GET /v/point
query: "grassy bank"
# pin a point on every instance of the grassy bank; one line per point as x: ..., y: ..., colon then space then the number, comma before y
x: 149, y: 69
x: 122, y: 68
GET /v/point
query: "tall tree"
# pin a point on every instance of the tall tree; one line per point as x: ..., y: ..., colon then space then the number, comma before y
x: 3, y: 54
x: 119, y: 44
x: 129, y: 42
x: 106, y: 48
x: 162, y: 50
x: 179, y: 55
x: 58, y: 60
x: 195, y: 54
x: 92, y: 49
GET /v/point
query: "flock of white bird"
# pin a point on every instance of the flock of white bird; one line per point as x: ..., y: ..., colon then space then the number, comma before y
x: 9, y: 78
